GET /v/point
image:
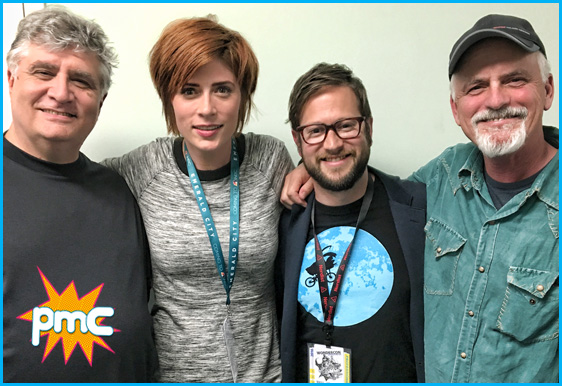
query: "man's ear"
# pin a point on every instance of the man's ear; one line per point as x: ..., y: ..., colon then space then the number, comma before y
x: 11, y: 78
x: 369, y: 130
x: 549, y: 87
x: 297, y: 139
x: 102, y: 100
x: 454, y: 110
x: 452, y: 101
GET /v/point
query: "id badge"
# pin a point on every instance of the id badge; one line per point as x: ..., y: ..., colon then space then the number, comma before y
x: 328, y: 364
x: 230, y: 344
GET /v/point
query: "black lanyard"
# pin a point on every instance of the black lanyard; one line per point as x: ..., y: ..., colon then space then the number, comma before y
x: 328, y: 298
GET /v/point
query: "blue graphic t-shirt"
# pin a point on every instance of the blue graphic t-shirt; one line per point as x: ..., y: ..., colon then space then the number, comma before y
x: 372, y: 316
x: 369, y: 275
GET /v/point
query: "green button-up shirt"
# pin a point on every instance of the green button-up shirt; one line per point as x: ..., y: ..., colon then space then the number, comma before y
x: 491, y: 276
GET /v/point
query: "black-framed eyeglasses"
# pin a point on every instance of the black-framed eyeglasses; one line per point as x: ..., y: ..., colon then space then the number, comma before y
x: 346, y: 128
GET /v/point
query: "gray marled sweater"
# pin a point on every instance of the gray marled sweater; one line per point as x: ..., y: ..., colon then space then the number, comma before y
x: 190, y: 298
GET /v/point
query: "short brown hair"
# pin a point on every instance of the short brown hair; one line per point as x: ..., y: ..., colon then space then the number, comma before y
x: 184, y: 46
x: 318, y: 77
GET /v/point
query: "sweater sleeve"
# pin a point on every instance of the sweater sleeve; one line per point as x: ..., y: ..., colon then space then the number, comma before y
x: 271, y: 158
x: 140, y: 166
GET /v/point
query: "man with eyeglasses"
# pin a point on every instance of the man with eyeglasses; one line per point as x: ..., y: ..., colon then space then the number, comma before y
x: 350, y: 264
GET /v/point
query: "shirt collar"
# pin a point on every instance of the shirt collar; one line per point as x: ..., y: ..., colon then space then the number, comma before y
x: 471, y: 174
x: 546, y: 183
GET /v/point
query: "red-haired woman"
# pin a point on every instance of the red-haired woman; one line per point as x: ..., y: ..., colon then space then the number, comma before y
x: 214, y: 315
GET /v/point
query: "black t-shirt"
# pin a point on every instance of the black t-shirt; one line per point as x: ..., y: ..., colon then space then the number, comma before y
x: 372, y: 317
x: 502, y: 192
x: 74, y: 247
x: 209, y: 175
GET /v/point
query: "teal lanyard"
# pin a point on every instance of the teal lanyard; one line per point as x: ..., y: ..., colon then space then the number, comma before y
x: 226, y: 273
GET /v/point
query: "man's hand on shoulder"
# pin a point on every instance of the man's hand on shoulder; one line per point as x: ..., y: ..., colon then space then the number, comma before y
x: 298, y: 185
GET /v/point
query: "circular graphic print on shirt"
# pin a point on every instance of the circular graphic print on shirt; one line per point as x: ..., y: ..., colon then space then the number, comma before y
x: 367, y: 281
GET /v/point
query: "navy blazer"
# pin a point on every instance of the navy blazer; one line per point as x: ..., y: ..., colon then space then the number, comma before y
x: 407, y: 201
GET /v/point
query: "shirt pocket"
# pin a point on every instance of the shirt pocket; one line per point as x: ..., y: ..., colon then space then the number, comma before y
x: 445, y: 245
x: 529, y: 310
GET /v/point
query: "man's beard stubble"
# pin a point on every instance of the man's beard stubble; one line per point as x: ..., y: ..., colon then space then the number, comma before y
x: 345, y: 182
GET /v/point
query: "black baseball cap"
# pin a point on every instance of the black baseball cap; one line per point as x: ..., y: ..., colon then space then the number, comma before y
x: 518, y: 30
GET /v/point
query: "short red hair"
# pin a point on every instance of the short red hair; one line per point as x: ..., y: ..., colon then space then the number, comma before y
x: 184, y: 46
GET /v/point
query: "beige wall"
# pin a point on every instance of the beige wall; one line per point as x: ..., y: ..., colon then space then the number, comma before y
x: 399, y: 50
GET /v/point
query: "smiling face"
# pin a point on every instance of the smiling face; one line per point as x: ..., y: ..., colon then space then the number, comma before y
x: 56, y: 100
x: 499, y: 99
x: 206, y: 110
x: 335, y: 164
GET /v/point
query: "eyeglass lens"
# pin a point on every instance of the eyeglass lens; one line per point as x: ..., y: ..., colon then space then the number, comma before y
x: 345, y: 129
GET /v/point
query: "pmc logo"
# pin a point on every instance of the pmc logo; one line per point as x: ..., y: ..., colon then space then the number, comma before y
x: 69, y: 319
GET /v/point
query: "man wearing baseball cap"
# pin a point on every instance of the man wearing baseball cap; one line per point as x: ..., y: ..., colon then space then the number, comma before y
x: 491, y: 288
x: 491, y: 255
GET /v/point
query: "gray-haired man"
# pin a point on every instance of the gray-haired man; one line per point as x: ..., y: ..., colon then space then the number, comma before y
x: 76, y: 262
x: 491, y: 251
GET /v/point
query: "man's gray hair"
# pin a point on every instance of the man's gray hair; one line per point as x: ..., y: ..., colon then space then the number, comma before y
x: 56, y: 29
x: 544, y: 66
